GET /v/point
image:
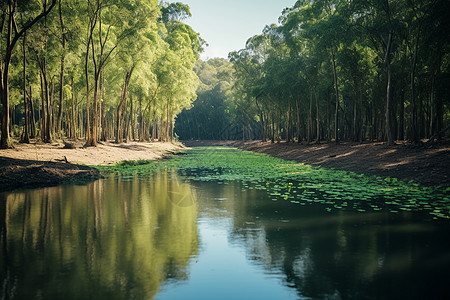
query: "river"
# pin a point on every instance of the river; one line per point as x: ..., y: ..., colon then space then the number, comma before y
x: 169, y: 237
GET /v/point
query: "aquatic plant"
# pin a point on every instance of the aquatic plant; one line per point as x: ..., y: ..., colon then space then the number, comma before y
x: 297, y: 183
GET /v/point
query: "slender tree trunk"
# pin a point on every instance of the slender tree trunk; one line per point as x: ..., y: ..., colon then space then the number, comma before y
x: 413, y: 129
x: 263, y: 125
x: 104, y: 133
x: 122, y: 106
x: 92, y: 138
x: 354, y: 131
x: 46, y: 107
x: 86, y: 74
x: 26, y: 137
x: 132, y: 119
x: 317, y: 116
x: 32, y: 119
x: 299, y: 136
x: 141, y: 122
x: 61, y: 97
x: 42, y: 109
x: 61, y: 74
x: 336, y: 91
x: 436, y: 101
x: 51, y: 108
x: 155, y: 127
x: 272, y: 140
x: 389, y: 138
x: 5, y: 141
x: 73, y: 120
x: 310, y: 126
x: 288, y: 115
x: 401, y: 126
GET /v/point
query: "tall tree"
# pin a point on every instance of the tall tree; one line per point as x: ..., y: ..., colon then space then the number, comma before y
x: 10, y: 34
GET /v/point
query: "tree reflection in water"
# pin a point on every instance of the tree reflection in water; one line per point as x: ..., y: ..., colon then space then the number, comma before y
x: 343, y: 254
x: 110, y: 239
x: 116, y: 239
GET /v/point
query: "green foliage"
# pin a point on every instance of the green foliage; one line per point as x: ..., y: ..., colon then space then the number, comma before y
x: 328, y: 58
x: 209, y: 115
x: 109, y: 39
x: 127, y: 168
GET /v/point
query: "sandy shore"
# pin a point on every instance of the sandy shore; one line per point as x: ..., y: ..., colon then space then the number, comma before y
x: 39, y: 165
x: 105, y: 153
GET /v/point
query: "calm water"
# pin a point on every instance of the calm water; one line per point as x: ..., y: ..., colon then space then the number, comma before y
x: 167, y: 238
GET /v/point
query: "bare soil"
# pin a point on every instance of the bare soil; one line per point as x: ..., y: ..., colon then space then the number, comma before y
x: 427, y: 165
x: 39, y: 165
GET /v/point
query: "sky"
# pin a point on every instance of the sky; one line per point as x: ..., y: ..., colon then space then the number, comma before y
x: 226, y: 25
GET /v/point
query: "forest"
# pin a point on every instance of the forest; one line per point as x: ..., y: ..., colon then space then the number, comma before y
x: 96, y: 69
x: 352, y: 70
x: 361, y: 70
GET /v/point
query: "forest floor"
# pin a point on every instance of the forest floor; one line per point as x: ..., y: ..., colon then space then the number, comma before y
x: 39, y: 165
x: 427, y: 165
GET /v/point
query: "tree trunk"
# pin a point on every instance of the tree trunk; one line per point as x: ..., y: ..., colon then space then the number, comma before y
x: 299, y: 137
x: 92, y: 137
x: 132, y: 119
x: 91, y: 27
x: 413, y: 129
x: 32, y: 119
x: 401, y: 126
x: 46, y: 108
x: 272, y: 139
x: 336, y: 91
x: 389, y: 138
x: 104, y: 133
x: 26, y: 136
x: 311, y: 95
x: 61, y: 75
x: 317, y: 117
x: 122, y: 107
x: 288, y: 121
x: 42, y: 109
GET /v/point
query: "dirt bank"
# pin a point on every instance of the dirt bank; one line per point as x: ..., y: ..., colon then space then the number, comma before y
x: 38, y: 164
x: 426, y: 165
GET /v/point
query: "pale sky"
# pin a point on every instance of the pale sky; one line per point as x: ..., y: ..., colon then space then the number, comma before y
x: 227, y: 24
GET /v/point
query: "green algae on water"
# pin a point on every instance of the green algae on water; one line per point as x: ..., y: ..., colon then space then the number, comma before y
x: 296, y: 182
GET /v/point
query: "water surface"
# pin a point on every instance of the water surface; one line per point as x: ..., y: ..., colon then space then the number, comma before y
x: 167, y: 237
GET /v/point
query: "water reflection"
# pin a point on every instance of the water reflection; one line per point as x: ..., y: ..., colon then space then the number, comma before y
x: 169, y: 239
x: 108, y: 240
x: 335, y: 255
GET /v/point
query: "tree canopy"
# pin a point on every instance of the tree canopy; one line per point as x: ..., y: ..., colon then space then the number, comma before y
x: 330, y: 70
x: 96, y: 69
x: 333, y: 69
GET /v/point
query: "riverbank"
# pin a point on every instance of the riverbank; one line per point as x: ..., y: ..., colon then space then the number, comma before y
x: 38, y: 164
x: 428, y: 166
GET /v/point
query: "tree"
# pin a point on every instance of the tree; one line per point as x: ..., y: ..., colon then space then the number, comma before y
x: 10, y: 34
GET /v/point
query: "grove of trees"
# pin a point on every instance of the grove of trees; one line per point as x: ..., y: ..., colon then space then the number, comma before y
x: 95, y: 69
x: 332, y: 70
x: 338, y: 69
